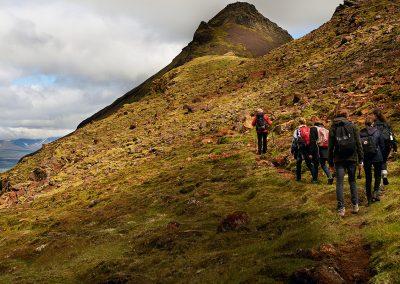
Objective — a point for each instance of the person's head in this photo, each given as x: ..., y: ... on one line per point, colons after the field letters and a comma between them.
x: 379, y: 115
x: 302, y: 121
x: 260, y: 111
x: 369, y: 122
x: 342, y: 113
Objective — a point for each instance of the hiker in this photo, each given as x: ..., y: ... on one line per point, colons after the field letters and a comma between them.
x: 345, y: 151
x: 301, y: 150
x: 262, y: 123
x: 319, y: 142
x: 389, y: 140
x: 373, y: 145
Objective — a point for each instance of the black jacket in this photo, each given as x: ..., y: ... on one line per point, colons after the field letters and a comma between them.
x: 393, y: 145
x: 333, y: 156
x: 378, y: 141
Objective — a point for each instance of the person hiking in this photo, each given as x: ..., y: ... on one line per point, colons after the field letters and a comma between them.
x: 344, y: 152
x: 319, y: 137
x: 262, y: 123
x: 301, y: 150
x: 389, y: 140
x: 373, y: 145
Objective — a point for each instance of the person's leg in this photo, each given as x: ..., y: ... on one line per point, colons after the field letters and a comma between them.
x: 378, y: 178
x: 264, y: 146
x: 339, y: 186
x: 259, y: 139
x: 315, y: 164
x: 299, y: 163
x: 309, y: 163
x: 351, y: 171
x: 368, y: 180
x: 325, y: 168
x: 385, y: 166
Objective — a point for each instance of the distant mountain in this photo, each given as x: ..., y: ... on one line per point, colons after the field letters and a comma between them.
x: 11, y: 151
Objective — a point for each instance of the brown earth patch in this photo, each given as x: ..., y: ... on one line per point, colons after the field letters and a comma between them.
x: 253, y: 42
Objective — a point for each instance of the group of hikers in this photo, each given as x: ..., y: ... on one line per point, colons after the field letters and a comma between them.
x: 341, y: 149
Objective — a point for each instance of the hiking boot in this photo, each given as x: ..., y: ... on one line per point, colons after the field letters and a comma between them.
x: 330, y: 181
x: 342, y: 212
x: 355, y: 209
x: 376, y: 198
x: 314, y: 181
x: 385, y: 181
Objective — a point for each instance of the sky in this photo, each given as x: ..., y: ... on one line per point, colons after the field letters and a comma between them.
x: 63, y: 60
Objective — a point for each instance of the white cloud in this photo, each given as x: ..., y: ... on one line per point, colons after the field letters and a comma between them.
x: 61, y: 61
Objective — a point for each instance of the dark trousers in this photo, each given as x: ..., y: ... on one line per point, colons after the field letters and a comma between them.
x: 368, y: 177
x: 304, y: 155
x: 262, y: 143
x: 341, y: 169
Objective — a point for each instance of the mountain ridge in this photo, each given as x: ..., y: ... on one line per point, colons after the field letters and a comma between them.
x: 215, y: 37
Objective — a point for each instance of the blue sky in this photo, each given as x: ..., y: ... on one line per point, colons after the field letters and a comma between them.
x: 63, y: 60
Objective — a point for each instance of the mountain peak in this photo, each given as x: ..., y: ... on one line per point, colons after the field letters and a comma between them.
x: 238, y: 28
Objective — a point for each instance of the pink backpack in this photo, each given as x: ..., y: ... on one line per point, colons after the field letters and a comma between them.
x: 323, y: 137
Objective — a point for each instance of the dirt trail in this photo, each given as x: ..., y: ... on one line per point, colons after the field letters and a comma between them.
x: 347, y: 262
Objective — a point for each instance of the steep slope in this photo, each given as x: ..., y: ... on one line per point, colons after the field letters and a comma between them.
x: 239, y: 28
x: 139, y: 195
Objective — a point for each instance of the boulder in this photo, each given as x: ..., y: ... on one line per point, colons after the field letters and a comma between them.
x: 39, y: 174
x: 236, y: 221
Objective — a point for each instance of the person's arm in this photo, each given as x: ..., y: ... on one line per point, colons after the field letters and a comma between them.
x: 268, y: 120
x: 360, y: 152
x: 331, y: 147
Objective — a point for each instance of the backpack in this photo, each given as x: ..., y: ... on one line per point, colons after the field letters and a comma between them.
x: 386, y: 133
x: 345, y: 141
x: 323, y: 137
x: 303, y: 137
x: 261, y: 124
x: 368, y: 143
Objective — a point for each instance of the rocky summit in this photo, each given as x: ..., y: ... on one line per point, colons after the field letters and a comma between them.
x: 167, y: 188
x: 238, y: 29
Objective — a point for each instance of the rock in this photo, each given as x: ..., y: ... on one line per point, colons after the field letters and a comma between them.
x: 258, y: 74
x: 38, y: 174
x: 234, y: 222
x: 346, y: 39
x: 132, y: 127
x: 280, y: 161
x: 93, y: 203
x: 296, y: 98
x: 188, y: 109
x: 328, y: 250
x: 173, y: 225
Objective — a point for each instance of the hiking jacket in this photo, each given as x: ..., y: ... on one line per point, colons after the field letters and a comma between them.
x: 333, y: 156
x: 379, y: 141
x: 381, y: 125
x: 314, y: 148
x: 295, y: 146
x: 267, y: 120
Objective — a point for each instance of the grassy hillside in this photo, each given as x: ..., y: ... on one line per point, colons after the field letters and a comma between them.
x: 140, y: 195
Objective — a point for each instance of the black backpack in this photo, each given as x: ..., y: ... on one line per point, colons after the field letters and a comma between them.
x: 368, y: 143
x: 345, y: 140
x: 385, y: 132
x: 261, y: 124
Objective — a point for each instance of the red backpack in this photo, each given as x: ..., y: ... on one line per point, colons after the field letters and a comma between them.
x: 303, y: 136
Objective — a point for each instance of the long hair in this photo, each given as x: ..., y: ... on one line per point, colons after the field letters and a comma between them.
x: 379, y: 115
